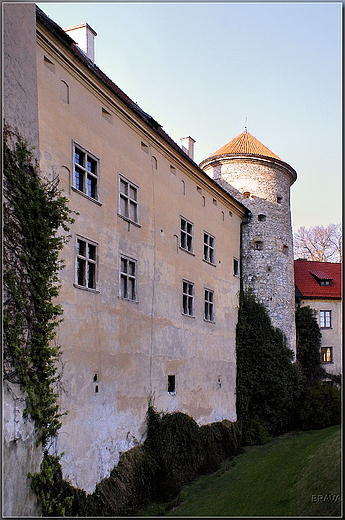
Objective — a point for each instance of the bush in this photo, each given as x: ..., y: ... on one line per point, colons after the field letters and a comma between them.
x: 321, y: 408
x: 255, y: 433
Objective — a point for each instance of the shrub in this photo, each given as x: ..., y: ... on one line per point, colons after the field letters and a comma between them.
x: 321, y: 408
x: 308, y: 342
x: 266, y: 375
x: 255, y: 433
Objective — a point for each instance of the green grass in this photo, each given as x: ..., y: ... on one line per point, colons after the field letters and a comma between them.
x: 276, y: 479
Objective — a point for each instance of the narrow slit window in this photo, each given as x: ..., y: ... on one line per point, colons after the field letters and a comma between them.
x: 171, y: 383
x: 236, y: 267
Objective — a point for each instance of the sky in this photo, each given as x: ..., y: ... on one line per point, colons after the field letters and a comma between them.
x: 210, y: 69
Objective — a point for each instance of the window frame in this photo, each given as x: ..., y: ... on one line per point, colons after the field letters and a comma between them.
x: 189, y: 297
x: 128, y: 276
x: 85, y: 172
x: 324, y: 314
x: 208, y: 303
x: 209, y: 248
x: 324, y: 351
x: 87, y: 262
x: 129, y: 200
x: 187, y: 234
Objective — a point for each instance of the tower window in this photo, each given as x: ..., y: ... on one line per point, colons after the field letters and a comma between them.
x: 209, y: 305
x: 262, y: 218
x: 258, y: 245
x: 285, y: 249
x: 246, y: 194
x: 279, y: 199
x: 171, y: 384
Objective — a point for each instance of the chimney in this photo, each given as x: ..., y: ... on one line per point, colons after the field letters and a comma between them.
x: 84, y: 36
x: 187, y: 144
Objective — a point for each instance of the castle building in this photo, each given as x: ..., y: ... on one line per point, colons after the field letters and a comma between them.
x: 157, y: 254
x: 261, y: 181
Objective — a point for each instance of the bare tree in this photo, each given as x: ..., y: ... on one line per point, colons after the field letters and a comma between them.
x: 319, y: 243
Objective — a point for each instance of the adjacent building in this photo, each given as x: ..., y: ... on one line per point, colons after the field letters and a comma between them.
x: 319, y: 285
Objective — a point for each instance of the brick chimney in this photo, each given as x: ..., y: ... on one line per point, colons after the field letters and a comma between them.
x: 187, y: 144
x: 84, y: 36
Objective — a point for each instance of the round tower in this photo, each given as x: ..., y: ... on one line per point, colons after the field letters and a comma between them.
x: 261, y: 181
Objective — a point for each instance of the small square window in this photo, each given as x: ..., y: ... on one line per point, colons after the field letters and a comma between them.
x: 258, y: 245
x: 326, y: 354
x: 186, y: 235
x: 209, y: 244
x: 86, y: 172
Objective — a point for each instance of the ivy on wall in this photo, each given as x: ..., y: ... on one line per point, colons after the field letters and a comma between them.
x: 36, y: 222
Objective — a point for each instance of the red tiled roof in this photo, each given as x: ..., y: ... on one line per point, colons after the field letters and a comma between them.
x: 245, y: 143
x: 306, y: 274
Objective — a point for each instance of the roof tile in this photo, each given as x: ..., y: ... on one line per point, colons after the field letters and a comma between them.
x: 307, y: 284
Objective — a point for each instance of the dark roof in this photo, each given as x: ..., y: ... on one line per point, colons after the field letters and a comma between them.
x: 70, y: 44
x: 309, y: 274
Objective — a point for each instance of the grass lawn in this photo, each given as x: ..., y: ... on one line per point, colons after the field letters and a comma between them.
x: 276, y: 479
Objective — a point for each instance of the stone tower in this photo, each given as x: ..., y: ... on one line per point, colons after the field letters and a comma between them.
x: 261, y: 181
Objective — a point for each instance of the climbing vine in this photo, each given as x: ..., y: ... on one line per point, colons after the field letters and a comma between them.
x: 36, y: 222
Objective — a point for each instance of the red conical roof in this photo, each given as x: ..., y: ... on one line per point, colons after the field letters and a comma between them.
x: 245, y: 143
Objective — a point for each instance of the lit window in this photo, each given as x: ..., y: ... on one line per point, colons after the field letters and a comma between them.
x: 326, y: 354
x: 86, y: 264
x: 128, y: 278
x: 325, y: 319
x: 186, y: 235
x: 209, y: 255
x: 209, y: 305
x: 128, y: 200
x: 86, y: 172
x: 188, y: 298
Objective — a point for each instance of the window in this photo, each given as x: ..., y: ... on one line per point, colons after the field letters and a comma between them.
x: 186, y: 235
x: 262, y: 218
x: 326, y: 354
x: 209, y: 255
x: 236, y: 267
x: 325, y: 319
x: 325, y: 282
x: 86, y: 172
x: 171, y: 383
x: 86, y: 263
x: 128, y: 200
x: 209, y: 305
x: 128, y: 278
x: 246, y: 194
x: 188, y: 298
x: 279, y: 199
x: 258, y: 245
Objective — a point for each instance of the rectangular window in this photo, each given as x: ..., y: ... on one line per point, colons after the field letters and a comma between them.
x: 86, y: 172
x: 209, y: 255
x: 236, y: 267
x: 171, y: 383
x: 128, y: 278
x: 186, y: 235
x: 86, y: 263
x: 209, y: 305
x: 325, y: 319
x: 188, y: 298
x: 326, y: 354
x: 128, y: 200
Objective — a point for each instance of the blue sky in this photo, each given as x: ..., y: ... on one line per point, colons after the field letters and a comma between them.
x: 209, y: 69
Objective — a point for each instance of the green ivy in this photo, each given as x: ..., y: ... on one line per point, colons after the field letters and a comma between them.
x: 36, y: 220
x: 308, y: 338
